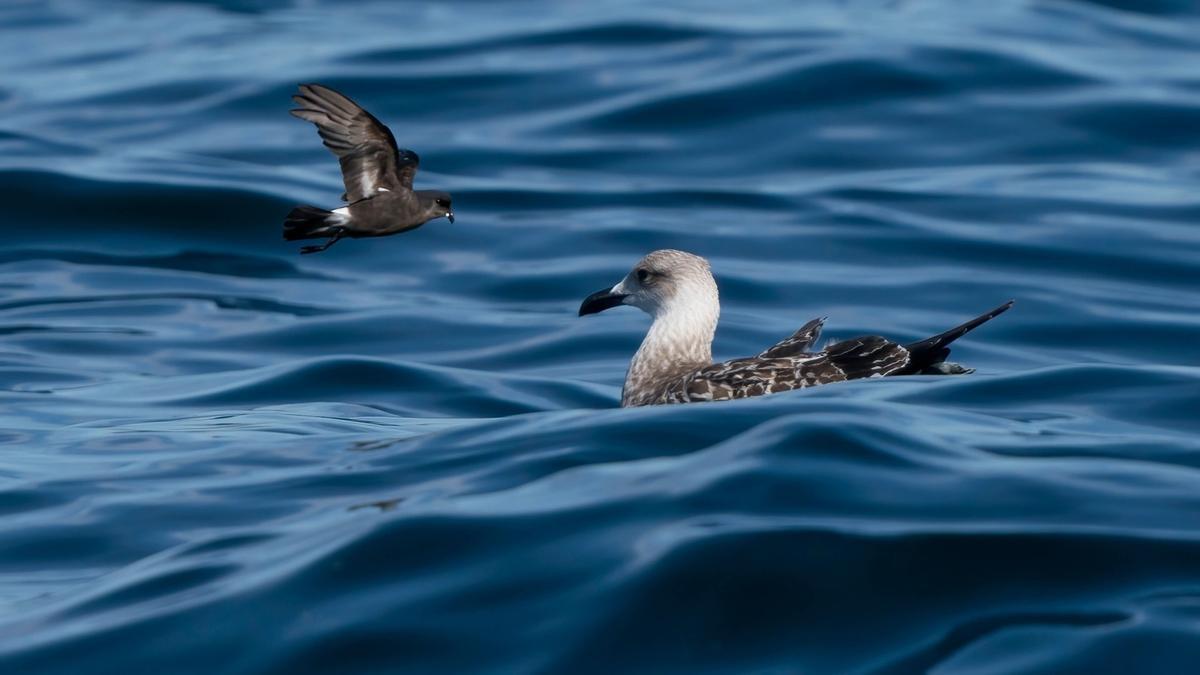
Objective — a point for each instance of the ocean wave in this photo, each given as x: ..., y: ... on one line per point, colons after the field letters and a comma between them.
x: 406, y: 453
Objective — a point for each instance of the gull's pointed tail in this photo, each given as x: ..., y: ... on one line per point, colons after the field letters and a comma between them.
x: 934, y: 350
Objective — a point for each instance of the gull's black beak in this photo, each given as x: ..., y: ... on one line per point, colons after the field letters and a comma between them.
x: 450, y: 217
x: 600, y: 301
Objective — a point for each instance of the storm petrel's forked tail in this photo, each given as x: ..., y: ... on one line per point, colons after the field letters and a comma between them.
x: 313, y: 222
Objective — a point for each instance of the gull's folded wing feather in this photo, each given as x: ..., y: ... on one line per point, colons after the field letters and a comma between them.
x: 799, y: 343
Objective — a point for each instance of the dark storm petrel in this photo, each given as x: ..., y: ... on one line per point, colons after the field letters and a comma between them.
x: 674, y: 363
x: 378, y: 176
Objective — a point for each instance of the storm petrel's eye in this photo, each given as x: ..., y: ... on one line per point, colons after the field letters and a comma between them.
x: 442, y: 202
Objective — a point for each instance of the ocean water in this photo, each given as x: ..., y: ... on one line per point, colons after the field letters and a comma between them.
x: 406, y: 455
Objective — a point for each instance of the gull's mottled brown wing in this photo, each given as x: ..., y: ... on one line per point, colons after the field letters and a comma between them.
x: 870, y: 356
x: 744, y: 378
x: 365, y: 147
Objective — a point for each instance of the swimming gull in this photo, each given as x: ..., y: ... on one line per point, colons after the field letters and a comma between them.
x: 674, y: 363
x: 378, y: 176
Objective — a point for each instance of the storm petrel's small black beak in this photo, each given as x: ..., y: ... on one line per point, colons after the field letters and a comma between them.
x: 600, y: 301
x: 450, y: 217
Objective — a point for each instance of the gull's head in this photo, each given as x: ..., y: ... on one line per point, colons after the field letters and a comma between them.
x: 664, y: 282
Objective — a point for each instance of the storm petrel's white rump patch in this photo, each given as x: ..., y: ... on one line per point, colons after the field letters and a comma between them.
x: 674, y: 363
x: 378, y: 176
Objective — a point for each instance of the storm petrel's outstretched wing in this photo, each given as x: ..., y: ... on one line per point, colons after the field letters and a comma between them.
x: 366, y: 149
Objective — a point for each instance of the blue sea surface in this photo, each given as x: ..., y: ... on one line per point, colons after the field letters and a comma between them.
x: 406, y: 454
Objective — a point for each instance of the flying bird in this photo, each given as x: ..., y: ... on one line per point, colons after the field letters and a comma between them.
x: 674, y: 363
x: 378, y: 176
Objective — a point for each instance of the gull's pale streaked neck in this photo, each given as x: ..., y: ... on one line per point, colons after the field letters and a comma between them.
x: 677, y: 289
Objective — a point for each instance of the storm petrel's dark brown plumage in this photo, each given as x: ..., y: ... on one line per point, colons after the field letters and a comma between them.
x: 378, y: 176
x: 674, y: 363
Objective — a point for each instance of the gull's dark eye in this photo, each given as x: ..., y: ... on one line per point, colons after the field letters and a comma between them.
x: 643, y: 275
